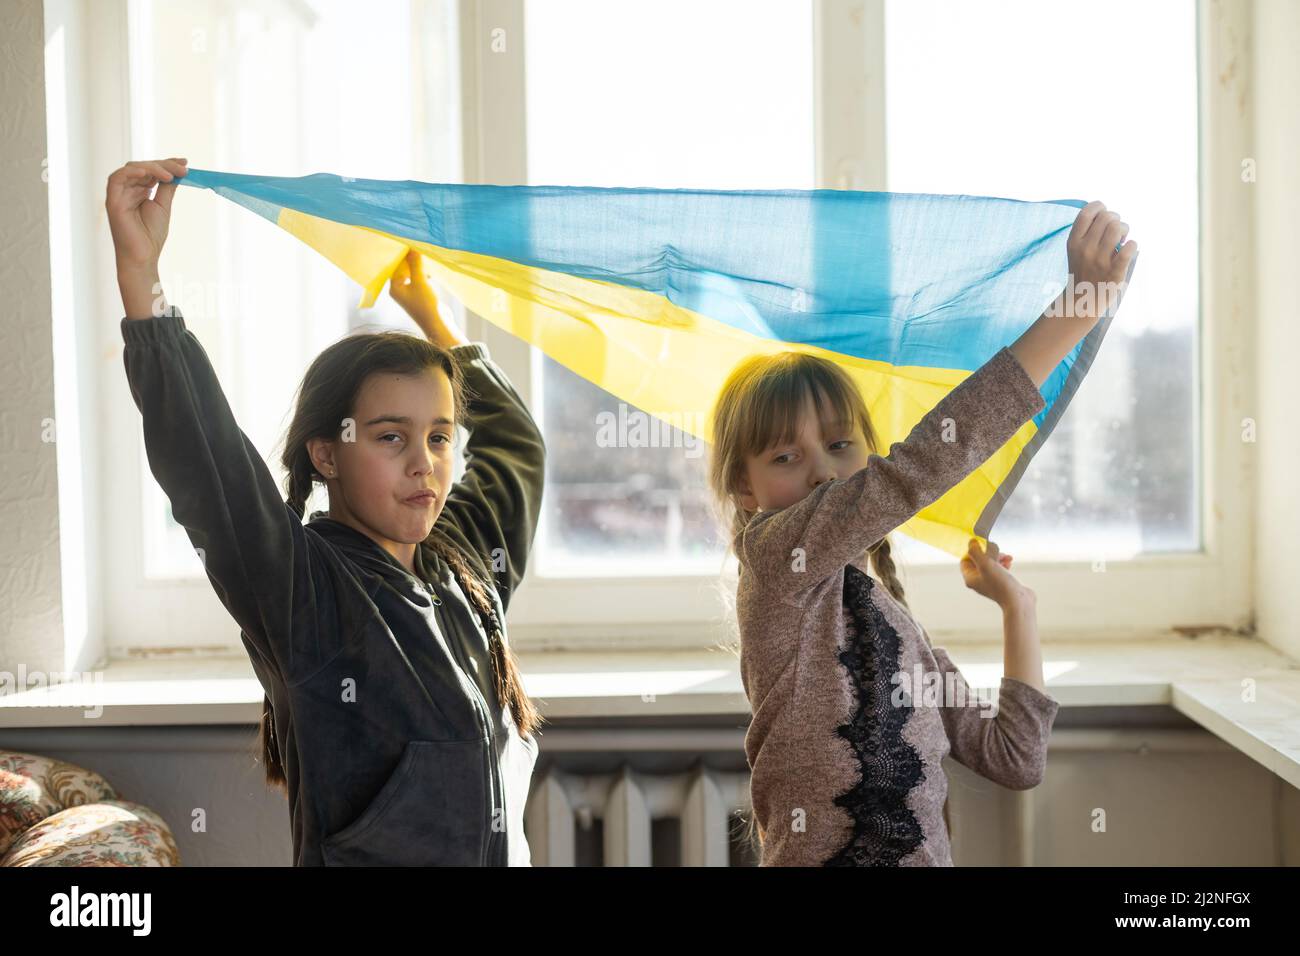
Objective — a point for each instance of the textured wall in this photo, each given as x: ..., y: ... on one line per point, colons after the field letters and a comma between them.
x: 1276, y: 80
x: 31, y: 622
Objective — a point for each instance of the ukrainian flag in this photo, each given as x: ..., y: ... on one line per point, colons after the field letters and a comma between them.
x: 656, y: 294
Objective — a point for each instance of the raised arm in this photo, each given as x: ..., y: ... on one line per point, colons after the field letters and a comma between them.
x: 495, y: 506
x: 799, y: 546
x: 1100, y: 271
x: 253, y: 548
x: 806, y: 542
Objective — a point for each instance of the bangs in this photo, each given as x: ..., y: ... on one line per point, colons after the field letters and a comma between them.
x: 780, y: 397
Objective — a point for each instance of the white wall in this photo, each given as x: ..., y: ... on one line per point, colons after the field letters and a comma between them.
x: 31, y: 605
x: 1275, y: 82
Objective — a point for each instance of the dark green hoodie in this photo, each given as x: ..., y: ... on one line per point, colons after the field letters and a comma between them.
x: 425, y: 766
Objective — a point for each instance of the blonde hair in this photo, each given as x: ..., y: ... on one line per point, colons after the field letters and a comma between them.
x: 759, y: 406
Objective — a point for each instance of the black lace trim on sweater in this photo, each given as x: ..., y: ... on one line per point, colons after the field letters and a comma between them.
x: 884, y: 829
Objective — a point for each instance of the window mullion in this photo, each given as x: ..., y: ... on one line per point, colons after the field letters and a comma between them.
x: 849, y: 93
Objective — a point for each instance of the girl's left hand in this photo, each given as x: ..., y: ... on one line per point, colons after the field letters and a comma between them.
x: 988, y: 573
x: 410, y: 289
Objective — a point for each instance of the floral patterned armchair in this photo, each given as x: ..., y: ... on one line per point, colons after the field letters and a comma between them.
x: 58, y: 814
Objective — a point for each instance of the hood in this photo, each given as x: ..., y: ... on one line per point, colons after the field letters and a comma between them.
x: 373, y: 560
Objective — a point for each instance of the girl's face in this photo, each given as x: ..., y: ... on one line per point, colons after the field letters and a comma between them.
x: 402, y: 444
x: 783, y: 475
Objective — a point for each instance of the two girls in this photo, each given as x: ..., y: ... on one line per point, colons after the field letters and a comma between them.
x: 394, y: 712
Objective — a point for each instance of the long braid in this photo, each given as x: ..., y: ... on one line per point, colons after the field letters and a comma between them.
x: 882, y: 562
x: 505, y: 666
x: 299, y: 483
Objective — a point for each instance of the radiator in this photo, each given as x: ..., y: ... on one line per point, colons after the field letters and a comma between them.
x: 579, y: 816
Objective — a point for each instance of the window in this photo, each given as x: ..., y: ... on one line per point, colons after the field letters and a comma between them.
x: 928, y: 97
x: 1020, y: 105
x: 734, y: 111
x: 907, y: 95
x: 285, y: 89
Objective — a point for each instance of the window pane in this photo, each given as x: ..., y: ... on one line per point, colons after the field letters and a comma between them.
x: 672, y: 95
x: 281, y: 89
x: 1050, y: 101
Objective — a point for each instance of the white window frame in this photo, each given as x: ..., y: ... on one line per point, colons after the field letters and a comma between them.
x: 1142, y: 597
x: 1138, y: 598
x: 175, y: 616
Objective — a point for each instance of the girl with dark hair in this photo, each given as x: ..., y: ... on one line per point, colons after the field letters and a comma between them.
x: 395, y: 717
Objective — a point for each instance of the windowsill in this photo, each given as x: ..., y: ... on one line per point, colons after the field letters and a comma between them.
x: 1200, y: 678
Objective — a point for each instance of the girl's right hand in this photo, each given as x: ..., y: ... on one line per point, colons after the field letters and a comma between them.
x: 139, y: 224
x: 1100, y: 273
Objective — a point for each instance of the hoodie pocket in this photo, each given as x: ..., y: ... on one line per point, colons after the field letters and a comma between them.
x: 432, y: 811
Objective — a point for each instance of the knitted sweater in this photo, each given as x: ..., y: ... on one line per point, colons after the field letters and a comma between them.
x: 845, y: 746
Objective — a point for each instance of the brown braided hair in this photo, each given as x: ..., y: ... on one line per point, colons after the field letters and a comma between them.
x: 758, y: 406
x: 327, y: 396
